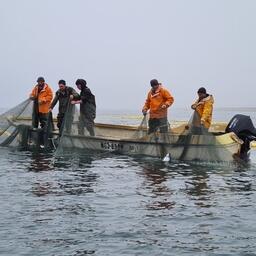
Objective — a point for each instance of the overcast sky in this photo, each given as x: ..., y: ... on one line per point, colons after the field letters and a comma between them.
x: 118, y: 46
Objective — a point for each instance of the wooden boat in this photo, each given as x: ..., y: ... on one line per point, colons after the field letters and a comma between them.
x: 217, y: 146
x: 129, y: 140
x: 224, y: 142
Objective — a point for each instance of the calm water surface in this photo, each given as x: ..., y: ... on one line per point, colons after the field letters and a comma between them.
x: 78, y: 204
x: 105, y: 204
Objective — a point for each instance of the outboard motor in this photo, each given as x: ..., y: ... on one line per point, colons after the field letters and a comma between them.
x: 243, y: 127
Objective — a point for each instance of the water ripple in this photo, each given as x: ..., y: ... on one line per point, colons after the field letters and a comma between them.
x: 82, y: 204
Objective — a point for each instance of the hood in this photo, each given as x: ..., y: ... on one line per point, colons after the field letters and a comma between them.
x: 208, y: 98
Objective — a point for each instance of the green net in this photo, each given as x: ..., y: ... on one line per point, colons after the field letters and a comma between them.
x: 187, y: 142
x: 196, y: 143
x: 14, y: 122
x: 191, y: 142
x: 16, y: 128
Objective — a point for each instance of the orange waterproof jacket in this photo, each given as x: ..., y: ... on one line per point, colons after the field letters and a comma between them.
x: 44, y: 98
x: 204, y: 108
x: 156, y: 100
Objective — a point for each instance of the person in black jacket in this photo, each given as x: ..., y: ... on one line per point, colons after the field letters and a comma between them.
x: 63, y: 96
x: 87, y: 107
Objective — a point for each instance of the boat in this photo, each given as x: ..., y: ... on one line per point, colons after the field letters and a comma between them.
x: 217, y: 146
x: 175, y: 144
x: 223, y: 143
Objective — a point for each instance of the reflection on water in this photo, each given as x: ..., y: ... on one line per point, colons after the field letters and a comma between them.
x: 76, y: 181
x: 40, y: 162
x: 198, y: 189
x: 82, y: 204
x: 155, y: 177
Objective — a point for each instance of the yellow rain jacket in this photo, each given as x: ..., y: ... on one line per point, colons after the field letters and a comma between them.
x: 204, y: 108
x: 44, y: 98
x: 156, y: 100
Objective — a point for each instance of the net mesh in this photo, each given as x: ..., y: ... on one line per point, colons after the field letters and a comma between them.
x: 192, y: 142
x: 69, y: 128
x: 16, y: 127
x: 14, y: 122
x: 188, y: 142
x: 195, y: 143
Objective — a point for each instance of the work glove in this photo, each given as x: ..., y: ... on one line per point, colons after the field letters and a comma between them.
x: 144, y: 112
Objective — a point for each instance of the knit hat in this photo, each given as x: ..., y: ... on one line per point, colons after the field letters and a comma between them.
x: 62, y: 82
x: 40, y: 79
x: 201, y: 90
x: 154, y: 82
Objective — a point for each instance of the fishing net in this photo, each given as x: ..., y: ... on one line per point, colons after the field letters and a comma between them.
x: 141, y: 131
x: 105, y: 137
x: 196, y: 143
x: 16, y: 128
x: 14, y: 123
x: 68, y: 129
x: 187, y: 142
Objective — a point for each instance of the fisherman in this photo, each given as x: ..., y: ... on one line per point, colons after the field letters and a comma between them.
x: 87, y: 107
x: 204, y: 108
x: 63, y: 95
x: 159, y: 99
x: 42, y: 96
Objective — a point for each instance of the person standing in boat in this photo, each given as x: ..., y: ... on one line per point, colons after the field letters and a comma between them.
x: 63, y: 95
x: 87, y: 108
x: 42, y: 96
x: 203, y: 107
x: 159, y: 99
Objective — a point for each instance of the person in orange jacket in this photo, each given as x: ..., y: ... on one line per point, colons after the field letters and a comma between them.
x: 204, y: 107
x: 159, y: 99
x: 42, y: 96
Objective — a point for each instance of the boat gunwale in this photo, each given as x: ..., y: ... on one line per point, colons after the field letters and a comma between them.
x: 150, y: 142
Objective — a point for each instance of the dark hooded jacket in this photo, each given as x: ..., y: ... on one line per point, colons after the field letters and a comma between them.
x: 88, y: 104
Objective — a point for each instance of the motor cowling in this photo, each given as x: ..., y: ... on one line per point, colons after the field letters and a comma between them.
x: 243, y: 127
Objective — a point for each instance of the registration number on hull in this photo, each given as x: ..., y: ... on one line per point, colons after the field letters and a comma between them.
x: 111, y: 145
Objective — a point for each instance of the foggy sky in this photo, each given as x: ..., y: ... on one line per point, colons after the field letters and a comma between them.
x: 118, y: 46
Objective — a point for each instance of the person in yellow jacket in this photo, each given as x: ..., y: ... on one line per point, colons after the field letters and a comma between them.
x: 42, y: 96
x: 204, y: 107
x: 159, y: 99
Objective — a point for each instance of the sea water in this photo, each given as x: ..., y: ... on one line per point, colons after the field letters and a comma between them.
x: 106, y: 204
